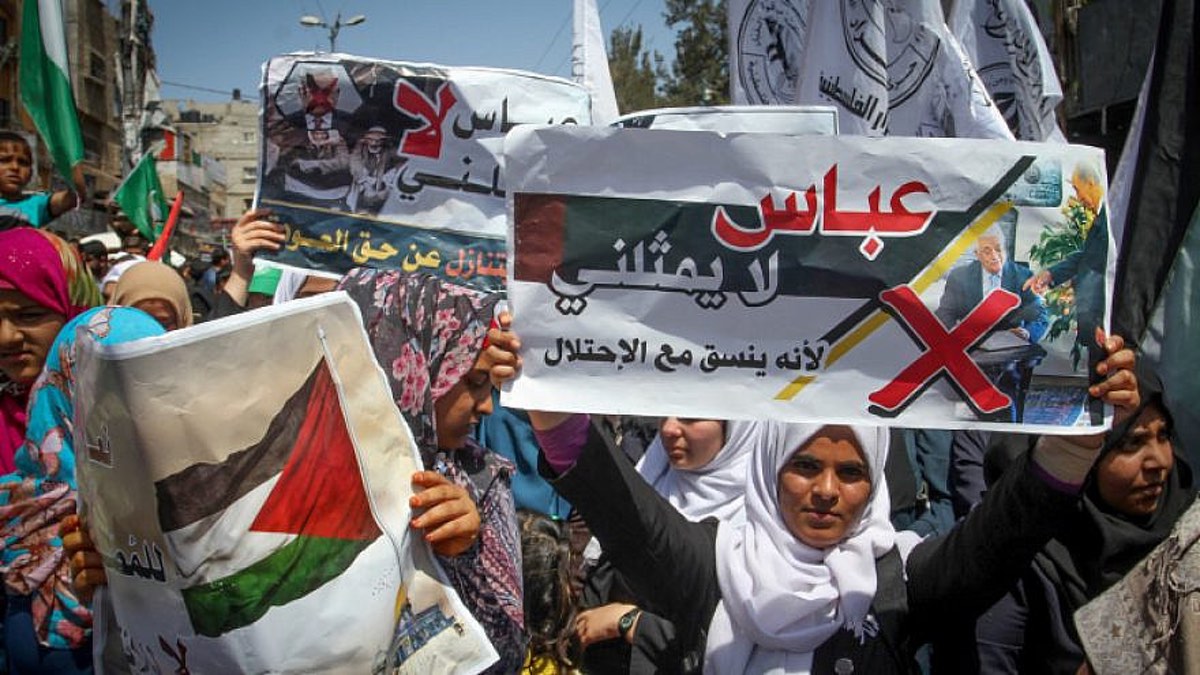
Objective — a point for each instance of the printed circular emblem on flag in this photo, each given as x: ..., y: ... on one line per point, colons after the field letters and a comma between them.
x: 889, y: 46
x: 769, y: 43
x: 1022, y: 51
x: 999, y: 81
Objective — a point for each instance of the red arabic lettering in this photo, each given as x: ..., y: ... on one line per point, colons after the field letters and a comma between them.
x: 899, y: 222
x: 790, y: 219
x: 873, y: 223
x: 425, y: 141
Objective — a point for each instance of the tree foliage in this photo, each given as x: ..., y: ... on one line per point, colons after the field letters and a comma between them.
x: 700, y: 75
x: 635, y: 71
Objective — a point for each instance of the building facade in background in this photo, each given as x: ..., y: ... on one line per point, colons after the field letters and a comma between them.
x: 228, y: 134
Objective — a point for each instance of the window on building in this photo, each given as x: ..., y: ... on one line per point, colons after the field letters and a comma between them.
x: 247, y: 202
x: 249, y: 174
x: 5, y: 114
x: 248, y: 136
x: 98, y: 67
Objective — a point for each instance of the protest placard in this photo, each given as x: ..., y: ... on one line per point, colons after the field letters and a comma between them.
x: 394, y: 164
x: 919, y: 282
x: 255, y: 519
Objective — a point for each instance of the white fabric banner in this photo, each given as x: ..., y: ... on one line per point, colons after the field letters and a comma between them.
x: 1004, y: 42
x: 589, y: 62
x: 838, y: 279
x: 891, y: 68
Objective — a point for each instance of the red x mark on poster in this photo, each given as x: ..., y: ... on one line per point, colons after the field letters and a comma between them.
x: 946, y: 351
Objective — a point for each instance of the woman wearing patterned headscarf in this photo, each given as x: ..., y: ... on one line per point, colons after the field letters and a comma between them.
x: 428, y: 336
x: 43, y: 284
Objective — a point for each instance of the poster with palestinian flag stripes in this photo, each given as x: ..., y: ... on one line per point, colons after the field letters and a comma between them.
x: 937, y: 283
x: 256, y: 520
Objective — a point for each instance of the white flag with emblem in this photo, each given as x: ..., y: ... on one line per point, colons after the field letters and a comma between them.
x: 890, y: 68
x: 1003, y: 41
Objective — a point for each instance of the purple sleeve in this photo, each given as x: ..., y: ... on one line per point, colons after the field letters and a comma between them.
x: 1055, y: 483
x: 562, y: 444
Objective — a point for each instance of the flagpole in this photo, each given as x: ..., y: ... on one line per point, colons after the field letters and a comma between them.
x: 160, y: 246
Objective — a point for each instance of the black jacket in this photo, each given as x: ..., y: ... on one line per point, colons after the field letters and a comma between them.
x: 670, y: 563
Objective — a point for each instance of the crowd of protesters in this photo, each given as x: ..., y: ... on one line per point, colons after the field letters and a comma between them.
x: 611, y: 545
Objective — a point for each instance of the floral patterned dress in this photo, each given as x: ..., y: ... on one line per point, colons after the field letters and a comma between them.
x: 426, y: 335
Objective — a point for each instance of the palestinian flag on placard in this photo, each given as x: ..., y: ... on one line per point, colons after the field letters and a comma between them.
x: 273, y: 522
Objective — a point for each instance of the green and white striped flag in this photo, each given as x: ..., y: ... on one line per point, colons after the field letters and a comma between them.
x: 140, y: 196
x: 45, y: 83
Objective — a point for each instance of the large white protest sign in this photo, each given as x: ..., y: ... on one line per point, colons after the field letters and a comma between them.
x: 254, y: 518
x: 877, y: 280
x: 395, y: 164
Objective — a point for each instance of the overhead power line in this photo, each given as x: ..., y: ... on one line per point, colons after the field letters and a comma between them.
x: 227, y: 92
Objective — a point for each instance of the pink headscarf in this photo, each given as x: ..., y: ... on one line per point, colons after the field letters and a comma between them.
x: 32, y: 264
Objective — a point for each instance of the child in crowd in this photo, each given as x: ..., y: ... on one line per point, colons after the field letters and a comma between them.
x: 16, y: 170
x: 549, y: 602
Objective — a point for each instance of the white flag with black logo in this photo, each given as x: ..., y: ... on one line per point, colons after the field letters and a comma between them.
x: 1002, y: 39
x: 890, y: 67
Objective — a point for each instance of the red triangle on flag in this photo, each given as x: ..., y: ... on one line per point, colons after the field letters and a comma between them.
x: 320, y: 492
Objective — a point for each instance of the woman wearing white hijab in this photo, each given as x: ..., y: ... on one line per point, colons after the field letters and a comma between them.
x: 715, y: 488
x: 699, y: 466
x: 815, y: 580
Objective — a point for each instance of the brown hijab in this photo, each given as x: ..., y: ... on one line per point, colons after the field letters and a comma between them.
x: 154, y: 281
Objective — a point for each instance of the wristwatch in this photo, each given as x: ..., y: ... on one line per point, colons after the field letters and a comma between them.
x: 625, y: 623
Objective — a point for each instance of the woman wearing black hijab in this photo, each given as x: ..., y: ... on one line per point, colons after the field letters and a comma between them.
x: 1137, y: 490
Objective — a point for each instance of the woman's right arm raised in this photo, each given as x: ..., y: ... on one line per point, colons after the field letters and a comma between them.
x: 667, y: 560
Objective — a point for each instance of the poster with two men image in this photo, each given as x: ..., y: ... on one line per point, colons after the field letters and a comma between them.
x: 395, y: 164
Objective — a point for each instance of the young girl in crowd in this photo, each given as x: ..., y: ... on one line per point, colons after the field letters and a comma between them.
x: 157, y: 290
x: 549, y: 601
x: 815, y: 579
x: 43, y: 284
x: 699, y: 466
x: 48, y: 628
x: 428, y: 336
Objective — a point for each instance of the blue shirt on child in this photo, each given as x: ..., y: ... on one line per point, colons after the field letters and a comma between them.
x: 30, y: 211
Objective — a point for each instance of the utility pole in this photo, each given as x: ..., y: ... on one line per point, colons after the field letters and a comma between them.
x: 132, y: 74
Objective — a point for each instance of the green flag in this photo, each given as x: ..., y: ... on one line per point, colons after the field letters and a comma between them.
x: 140, y: 196
x: 46, y: 83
